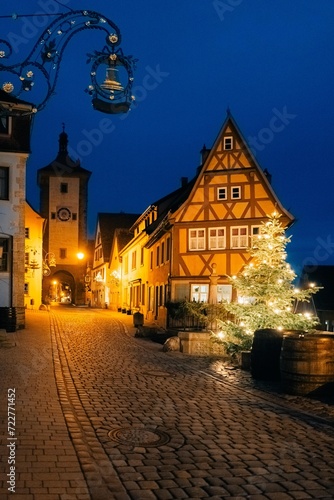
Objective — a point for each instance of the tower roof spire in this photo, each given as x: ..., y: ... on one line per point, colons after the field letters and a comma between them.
x: 63, y: 143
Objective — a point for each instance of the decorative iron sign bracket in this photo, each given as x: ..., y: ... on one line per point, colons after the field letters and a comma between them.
x: 111, y: 72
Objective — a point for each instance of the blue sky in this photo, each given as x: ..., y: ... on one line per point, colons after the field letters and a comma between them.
x: 259, y: 58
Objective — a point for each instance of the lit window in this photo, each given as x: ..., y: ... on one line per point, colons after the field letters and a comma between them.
x: 197, y: 239
x: 4, y: 183
x: 217, y: 238
x: 236, y: 193
x: 199, y: 293
x: 239, y: 237
x: 224, y: 293
x: 228, y: 143
x: 222, y: 193
x: 255, y: 232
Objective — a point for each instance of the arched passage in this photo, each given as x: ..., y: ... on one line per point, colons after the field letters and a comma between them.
x: 60, y: 287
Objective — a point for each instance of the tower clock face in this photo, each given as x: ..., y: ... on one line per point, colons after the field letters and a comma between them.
x: 64, y: 214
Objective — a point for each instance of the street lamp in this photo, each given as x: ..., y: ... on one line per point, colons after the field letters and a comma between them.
x: 109, y: 95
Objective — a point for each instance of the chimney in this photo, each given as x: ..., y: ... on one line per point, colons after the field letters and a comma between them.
x: 204, y: 154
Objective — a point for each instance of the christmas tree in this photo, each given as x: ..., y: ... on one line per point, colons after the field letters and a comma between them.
x: 266, y: 294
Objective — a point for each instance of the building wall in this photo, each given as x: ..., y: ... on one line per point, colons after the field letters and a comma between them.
x: 12, y: 227
x: 33, y: 252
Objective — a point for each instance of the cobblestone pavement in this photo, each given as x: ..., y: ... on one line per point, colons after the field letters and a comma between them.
x: 144, y: 424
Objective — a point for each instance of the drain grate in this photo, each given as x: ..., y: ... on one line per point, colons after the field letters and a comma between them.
x: 135, y: 436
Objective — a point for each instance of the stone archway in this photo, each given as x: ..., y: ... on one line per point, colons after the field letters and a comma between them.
x: 60, y: 288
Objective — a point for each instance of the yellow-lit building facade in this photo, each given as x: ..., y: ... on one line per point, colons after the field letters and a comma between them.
x: 34, y: 225
x: 187, y: 244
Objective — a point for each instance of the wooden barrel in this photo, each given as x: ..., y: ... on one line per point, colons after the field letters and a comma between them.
x: 265, y: 354
x: 307, y: 363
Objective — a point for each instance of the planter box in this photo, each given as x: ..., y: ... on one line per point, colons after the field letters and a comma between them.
x: 195, y: 343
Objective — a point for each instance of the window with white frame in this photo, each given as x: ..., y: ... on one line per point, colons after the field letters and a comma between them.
x: 255, y: 232
x: 222, y: 193
x: 239, y: 236
x: 199, y: 293
x: 224, y: 293
x: 217, y: 239
x: 228, y: 143
x: 235, y: 192
x: 197, y: 239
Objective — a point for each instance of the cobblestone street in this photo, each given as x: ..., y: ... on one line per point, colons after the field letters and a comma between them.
x: 133, y: 422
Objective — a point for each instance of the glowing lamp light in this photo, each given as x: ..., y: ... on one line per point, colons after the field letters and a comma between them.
x: 220, y: 335
x: 80, y: 255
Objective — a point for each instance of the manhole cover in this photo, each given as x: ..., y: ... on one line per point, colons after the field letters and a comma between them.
x: 139, y: 437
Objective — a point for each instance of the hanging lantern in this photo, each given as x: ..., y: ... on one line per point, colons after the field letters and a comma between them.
x: 111, y: 82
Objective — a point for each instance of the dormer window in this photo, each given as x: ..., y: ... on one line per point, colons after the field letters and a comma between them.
x: 228, y: 143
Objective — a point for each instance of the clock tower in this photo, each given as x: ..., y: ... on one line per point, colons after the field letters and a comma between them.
x: 63, y: 203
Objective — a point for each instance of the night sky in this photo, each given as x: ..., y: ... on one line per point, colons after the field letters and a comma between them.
x: 259, y: 58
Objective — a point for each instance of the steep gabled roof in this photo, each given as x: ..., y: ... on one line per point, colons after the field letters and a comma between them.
x: 108, y: 223
x: 213, y: 163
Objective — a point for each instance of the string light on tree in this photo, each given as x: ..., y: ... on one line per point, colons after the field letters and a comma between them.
x: 266, y: 294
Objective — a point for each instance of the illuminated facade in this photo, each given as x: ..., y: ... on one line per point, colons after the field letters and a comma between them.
x: 108, y: 227
x: 15, y: 124
x: 33, y: 261
x: 63, y: 203
x: 187, y: 244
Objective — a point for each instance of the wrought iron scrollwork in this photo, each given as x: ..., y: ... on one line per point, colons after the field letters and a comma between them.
x: 43, y: 64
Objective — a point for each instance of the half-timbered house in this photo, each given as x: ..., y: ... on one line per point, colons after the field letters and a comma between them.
x: 201, y: 233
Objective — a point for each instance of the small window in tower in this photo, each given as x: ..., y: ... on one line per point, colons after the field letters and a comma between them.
x: 74, y: 216
x: 27, y: 232
x: 26, y: 289
x: 53, y: 215
x: 228, y: 143
x: 63, y: 187
x: 62, y: 253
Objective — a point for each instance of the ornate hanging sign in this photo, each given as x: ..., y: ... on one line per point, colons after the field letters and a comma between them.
x: 111, y: 72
